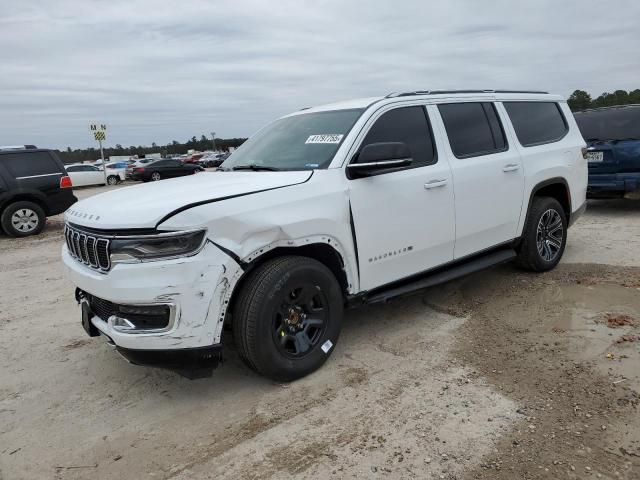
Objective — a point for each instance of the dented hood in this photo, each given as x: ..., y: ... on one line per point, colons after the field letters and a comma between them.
x: 145, y: 205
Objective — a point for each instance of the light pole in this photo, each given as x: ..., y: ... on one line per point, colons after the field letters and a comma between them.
x: 213, y: 137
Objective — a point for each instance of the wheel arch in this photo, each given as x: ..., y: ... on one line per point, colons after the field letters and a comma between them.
x: 557, y: 188
x: 24, y: 197
x: 324, y: 253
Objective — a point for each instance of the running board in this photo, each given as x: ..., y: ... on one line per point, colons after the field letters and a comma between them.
x: 442, y: 275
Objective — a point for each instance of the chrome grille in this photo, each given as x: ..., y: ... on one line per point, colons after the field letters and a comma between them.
x: 89, y: 249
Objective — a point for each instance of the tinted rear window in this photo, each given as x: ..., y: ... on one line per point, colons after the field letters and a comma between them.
x: 473, y: 128
x: 610, y: 123
x: 29, y: 164
x: 536, y: 123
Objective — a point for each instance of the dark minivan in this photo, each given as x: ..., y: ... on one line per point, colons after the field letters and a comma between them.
x: 33, y: 185
x: 613, y: 138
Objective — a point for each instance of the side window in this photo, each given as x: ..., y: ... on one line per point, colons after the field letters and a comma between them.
x: 408, y: 125
x: 29, y: 164
x: 473, y: 128
x: 537, y: 123
x: 73, y: 169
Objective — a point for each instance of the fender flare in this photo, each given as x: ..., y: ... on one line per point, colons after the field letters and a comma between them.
x: 541, y: 185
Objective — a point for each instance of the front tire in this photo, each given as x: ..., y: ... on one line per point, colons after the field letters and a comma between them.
x: 21, y: 219
x: 287, y: 317
x: 544, y: 237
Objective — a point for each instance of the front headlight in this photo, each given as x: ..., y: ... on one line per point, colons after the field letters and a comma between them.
x: 156, y: 247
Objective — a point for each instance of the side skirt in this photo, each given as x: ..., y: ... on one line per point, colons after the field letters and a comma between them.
x: 434, y: 277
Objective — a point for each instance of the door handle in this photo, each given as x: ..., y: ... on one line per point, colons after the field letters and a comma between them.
x: 511, y: 167
x: 435, y: 183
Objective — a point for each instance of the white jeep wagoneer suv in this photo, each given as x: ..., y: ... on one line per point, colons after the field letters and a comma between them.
x: 333, y: 206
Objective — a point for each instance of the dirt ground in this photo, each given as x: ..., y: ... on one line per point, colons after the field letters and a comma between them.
x: 503, y: 374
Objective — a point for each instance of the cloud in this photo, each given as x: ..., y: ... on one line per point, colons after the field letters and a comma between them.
x: 158, y: 71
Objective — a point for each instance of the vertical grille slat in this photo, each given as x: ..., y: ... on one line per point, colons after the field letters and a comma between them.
x: 91, y: 251
x: 88, y: 249
x: 102, y: 249
x: 83, y: 249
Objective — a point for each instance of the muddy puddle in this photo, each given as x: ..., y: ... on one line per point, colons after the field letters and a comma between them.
x: 565, y: 347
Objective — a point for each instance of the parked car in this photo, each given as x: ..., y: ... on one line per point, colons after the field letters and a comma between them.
x: 346, y: 204
x: 193, y: 158
x: 33, y: 186
x: 83, y: 175
x: 138, y: 163
x: 613, y: 139
x: 116, y: 169
x: 211, y: 160
x: 166, y: 168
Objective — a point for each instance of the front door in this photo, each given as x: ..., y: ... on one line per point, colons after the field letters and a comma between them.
x: 403, y: 219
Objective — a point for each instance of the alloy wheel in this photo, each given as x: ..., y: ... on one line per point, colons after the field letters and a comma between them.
x: 549, y: 235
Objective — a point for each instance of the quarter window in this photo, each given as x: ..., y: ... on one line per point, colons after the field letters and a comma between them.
x: 473, y: 128
x: 29, y: 164
x: 408, y: 125
x: 536, y: 123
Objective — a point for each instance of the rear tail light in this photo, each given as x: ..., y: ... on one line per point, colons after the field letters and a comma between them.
x: 65, y: 182
x: 139, y: 169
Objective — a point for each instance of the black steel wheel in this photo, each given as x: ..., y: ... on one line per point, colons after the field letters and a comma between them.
x: 300, y: 320
x: 287, y: 317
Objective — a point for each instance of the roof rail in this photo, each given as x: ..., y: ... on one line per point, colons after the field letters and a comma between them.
x: 443, y: 92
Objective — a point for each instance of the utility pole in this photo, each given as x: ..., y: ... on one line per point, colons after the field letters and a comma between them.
x: 213, y: 137
x: 104, y: 167
x: 99, y: 131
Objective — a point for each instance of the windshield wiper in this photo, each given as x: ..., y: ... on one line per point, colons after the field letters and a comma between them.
x: 255, y: 168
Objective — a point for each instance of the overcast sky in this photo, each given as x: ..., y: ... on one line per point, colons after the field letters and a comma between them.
x: 156, y: 71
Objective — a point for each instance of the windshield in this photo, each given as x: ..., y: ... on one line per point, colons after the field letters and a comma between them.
x: 610, y: 123
x: 299, y: 142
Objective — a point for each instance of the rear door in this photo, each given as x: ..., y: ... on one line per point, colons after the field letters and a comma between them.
x: 174, y: 168
x: 403, y: 219
x: 94, y: 176
x: 77, y: 175
x: 487, y: 174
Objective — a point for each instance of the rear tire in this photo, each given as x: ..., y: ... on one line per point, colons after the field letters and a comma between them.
x: 288, y: 312
x: 112, y: 180
x: 544, y: 237
x: 155, y: 176
x: 21, y: 219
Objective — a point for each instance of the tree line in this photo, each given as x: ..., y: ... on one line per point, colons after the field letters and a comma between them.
x: 581, y: 100
x: 173, y: 148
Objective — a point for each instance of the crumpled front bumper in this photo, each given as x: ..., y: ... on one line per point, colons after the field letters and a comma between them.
x: 196, y: 287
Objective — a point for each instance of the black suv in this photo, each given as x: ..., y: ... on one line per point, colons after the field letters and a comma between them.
x: 33, y: 186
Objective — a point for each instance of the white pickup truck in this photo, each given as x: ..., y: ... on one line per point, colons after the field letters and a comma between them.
x: 339, y: 205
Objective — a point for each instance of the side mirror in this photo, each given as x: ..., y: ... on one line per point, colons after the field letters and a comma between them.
x: 380, y: 156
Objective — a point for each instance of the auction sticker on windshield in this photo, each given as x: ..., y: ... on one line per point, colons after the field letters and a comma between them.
x: 327, y: 138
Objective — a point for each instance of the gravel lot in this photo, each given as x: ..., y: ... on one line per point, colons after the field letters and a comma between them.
x: 503, y: 374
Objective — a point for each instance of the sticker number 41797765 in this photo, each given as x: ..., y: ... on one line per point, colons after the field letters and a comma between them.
x: 327, y: 138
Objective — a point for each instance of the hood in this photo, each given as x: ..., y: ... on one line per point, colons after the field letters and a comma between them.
x: 145, y: 205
